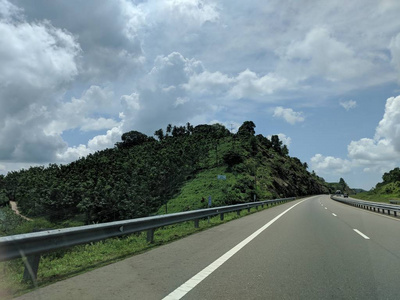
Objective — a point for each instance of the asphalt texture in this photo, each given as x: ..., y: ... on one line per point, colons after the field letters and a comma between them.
x: 311, y: 252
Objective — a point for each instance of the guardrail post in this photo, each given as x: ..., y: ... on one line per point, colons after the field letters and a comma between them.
x: 248, y: 209
x: 150, y: 235
x: 389, y: 212
x: 221, y: 216
x: 395, y: 213
x: 31, y: 268
x: 238, y: 212
x: 196, y: 223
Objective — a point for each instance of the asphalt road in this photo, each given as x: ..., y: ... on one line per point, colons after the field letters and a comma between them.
x: 318, y: 249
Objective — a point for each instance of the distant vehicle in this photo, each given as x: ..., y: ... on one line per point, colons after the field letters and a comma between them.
x: 338, y: 192
x: 345, y: 195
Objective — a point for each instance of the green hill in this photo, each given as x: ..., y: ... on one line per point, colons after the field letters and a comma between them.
x: 142, y: 176
x: 386, y: 190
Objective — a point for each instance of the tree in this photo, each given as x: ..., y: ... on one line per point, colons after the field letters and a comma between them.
x: 285, y: 150
x: 232, y: 158
x: 276, y: 144
x: 169, y: 129
x: 247, y: 129
x: 159, y: 134
x: 132, y: 138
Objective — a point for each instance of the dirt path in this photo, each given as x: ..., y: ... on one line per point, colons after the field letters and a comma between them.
x: 15, y: 209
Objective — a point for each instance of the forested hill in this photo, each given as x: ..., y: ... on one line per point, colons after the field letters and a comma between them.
x: 141, y: 174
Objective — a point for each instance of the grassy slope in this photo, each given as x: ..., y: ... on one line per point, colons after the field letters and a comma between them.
x: 203, y: 185
x: 390, y: 191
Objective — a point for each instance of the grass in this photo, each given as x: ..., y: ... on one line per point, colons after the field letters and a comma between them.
x: 376, y: 197
x: 389, y: 191
x: 203, y: 185
x: 63, y: 264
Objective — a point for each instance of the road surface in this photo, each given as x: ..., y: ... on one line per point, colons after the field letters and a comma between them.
x: 313, y: 248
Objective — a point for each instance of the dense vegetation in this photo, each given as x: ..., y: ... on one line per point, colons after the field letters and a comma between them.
x: 386, y: 190
x: 141, y: 174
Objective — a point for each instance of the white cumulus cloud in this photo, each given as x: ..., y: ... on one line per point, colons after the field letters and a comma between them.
x: 329, y: 164
x: 289, y: 115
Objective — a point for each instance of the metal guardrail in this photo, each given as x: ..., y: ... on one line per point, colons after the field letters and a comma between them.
x: 374, y: 206
x: 32, y: 245
x: 394, y: 201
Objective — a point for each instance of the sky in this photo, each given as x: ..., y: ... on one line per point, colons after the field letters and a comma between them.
x: 323, y: 75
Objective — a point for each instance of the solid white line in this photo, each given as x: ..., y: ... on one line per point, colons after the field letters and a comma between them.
x: 334, y: 215
x: 362, y: 234
x: 199, y: 277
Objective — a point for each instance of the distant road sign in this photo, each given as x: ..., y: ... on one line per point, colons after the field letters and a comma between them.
x: 221, y: 177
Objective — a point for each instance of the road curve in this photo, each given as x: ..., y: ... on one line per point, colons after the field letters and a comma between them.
x: 318, y: 249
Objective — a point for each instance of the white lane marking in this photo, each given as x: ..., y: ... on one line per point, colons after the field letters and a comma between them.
x: 334, y: 215
x: 199, y: 277
x: 326, y: 208
x: 362, y: 234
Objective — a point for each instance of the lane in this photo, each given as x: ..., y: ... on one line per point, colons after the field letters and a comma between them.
x: 154, y: 274
x: 382, y: 229
x: 309, y: 254
x: 313, y: 251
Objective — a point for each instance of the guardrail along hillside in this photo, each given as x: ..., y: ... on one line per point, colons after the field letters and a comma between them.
x: 32, y: 245
x: 373, y: 206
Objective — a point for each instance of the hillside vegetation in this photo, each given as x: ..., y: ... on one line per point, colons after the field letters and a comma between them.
x: 173, y: 172
x: 386, y: 190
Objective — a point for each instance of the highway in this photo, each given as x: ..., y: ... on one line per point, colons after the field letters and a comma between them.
x: 313, y: 248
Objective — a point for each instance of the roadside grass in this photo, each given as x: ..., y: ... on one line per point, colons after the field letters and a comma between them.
x: 384, y: 193
x: 60, y: 265
x: 376, y: 197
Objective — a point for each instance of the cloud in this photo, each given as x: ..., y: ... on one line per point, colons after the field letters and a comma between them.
x: 83, y: 113
x: 322, y: 54
x: 38, y: 63
x: 209, y: 83
x: 347, y: 105
x: 394, y: 48
x: 106, y: 32
x: 289, y: 115
x: 389, y: 126
x: 249, y: 85
x: 378, y: 154
x: 328, y: 164
x: 99, y: 142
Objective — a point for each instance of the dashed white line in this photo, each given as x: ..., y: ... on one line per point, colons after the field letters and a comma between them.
x: 199, y: 277
x: 334, y: 215
x: 362, y: 234
x: 326, y: 208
